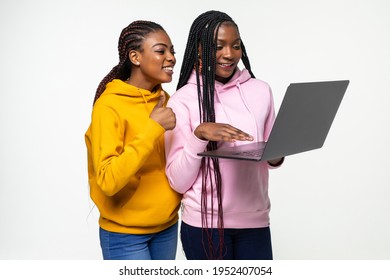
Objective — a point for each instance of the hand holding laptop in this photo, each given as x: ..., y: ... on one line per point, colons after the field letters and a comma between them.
x: 221, y: 132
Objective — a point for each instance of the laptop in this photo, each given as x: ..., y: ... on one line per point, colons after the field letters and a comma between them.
x: 302, y: 123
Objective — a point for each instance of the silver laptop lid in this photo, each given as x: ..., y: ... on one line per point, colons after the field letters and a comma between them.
x: 302, y: 124
x: 304, y: 118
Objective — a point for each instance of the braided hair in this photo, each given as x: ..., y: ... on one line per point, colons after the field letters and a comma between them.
x: 203, y: 33
x: 131, y: 38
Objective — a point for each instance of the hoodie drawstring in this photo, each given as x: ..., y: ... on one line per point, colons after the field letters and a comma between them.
x: 238, y: 85
x: 158, y: 145
x: 143, y: 96
x: 247, y: 107
x: 223, y: 106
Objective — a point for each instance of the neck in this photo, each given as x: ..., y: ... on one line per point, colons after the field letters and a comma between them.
x: 224, y: 80
x: 136, y: 82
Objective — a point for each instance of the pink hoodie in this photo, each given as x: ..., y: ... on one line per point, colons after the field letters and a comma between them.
x: 245, y: 103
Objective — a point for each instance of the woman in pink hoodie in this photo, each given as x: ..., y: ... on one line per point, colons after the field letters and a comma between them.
x: 225, y: 205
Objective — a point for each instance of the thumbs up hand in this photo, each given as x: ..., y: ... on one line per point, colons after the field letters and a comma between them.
x: 164, y: 116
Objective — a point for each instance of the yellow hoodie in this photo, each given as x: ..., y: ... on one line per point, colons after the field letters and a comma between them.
x: 126, y: 162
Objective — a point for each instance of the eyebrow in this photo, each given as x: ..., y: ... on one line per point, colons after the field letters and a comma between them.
x: 238, y: 39
x: 161, y: 44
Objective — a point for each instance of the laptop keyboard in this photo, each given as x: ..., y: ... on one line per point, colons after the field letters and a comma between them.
x: 252, y: 153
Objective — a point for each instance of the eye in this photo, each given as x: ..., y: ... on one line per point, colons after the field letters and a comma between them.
x: 160, y: 51
x: 237, y: 47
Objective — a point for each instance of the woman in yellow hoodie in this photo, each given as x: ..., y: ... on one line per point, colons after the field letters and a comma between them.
x: 125, y: 144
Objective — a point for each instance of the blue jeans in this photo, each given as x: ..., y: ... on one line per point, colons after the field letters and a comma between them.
x: 157, y: 246
x: 238, y: 244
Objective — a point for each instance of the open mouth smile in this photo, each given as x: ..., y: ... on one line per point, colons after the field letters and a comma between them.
x: 168, y: 69
x: 226, y: 66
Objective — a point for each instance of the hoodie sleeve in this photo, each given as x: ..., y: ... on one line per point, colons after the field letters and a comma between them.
x: 181, y: 148
x: 269, y: 123
x: 114, y: 161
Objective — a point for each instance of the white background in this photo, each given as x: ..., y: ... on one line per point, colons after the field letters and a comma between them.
x: 331, y: 203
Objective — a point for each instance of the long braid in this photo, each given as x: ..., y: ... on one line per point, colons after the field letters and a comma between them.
x: 131, y: 38
x: 203, y: 33
x: 245, y: 60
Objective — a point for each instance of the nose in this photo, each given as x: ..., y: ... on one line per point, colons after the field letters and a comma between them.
x: 227, y: 52
x: 171, y: 57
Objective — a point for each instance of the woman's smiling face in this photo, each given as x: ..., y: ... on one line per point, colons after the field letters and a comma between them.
x: 156, y: 60
x: 228, y: 53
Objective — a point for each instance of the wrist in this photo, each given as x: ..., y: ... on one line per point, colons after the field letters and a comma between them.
x: 198, y: 132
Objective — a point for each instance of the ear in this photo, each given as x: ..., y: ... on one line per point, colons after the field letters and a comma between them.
x: 133, y: 56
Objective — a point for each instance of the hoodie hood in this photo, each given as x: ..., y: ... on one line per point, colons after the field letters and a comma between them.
x: 121, y: 88
x: 239, y: 77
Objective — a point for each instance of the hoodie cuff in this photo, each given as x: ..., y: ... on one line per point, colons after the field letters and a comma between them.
x: 195, y: 145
